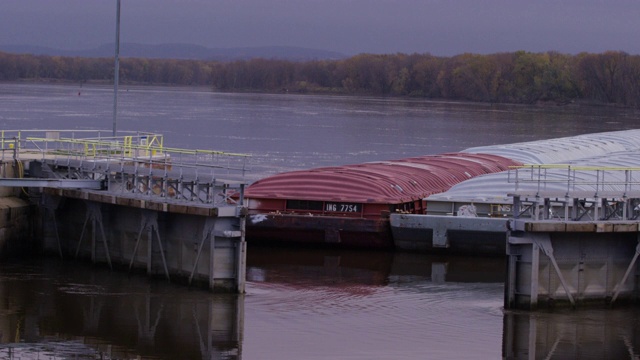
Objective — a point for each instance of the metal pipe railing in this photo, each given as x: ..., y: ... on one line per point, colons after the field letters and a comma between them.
x: 133, y: 155
x: 598, y: 178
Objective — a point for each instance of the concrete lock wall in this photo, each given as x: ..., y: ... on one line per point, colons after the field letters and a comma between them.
x: 16, y: 234
x: 16, y: 228
x: 207, y: 251
x: 591, y: 265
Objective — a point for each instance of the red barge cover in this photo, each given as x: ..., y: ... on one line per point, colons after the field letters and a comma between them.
x: 349, y: 204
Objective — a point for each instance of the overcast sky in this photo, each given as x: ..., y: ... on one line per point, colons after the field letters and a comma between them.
x: 439, y: 27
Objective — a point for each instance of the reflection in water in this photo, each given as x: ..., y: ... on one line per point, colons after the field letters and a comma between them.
x: 53, y: 310
x: 580, y: 334
x: 300, y: 303
x: 315, y: 267
x: 322, y: 303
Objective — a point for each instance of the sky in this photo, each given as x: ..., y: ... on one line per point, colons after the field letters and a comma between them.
x: 438, y: 27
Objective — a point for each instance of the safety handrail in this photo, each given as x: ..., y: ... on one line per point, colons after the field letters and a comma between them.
x: 136, y: 163
x: 598, y: 177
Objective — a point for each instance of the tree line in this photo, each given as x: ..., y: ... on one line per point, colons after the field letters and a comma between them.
x: 518, y: 77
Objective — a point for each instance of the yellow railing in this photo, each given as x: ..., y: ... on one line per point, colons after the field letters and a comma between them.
x: 137, y: 163
x: 15, y: 139
x: 92, y: 148
x: 144, y: 149
x: 127, y: 144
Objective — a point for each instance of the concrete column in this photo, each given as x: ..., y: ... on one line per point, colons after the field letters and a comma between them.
x: 535, y: 270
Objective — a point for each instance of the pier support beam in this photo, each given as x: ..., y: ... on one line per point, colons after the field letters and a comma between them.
x: 540, y: 242
x: 556, y: 263
x: 632, y: 265
x: 150, y: 224
x: 94, y: 215
x: 207, y: 234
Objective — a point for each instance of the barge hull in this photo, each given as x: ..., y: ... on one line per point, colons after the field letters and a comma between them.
x: 450, y: 234
x: 320, y: 230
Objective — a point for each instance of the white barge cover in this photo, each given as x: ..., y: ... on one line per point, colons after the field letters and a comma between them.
x: 563, y: 150
x: 611, y: 149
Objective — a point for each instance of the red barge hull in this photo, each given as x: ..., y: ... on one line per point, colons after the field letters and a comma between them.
x: 349, y: 206
x: 317, y: 230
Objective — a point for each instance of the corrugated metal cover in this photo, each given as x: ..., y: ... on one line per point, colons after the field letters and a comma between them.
x: 391, y: 182
x: 563, y: 150
x: 495, y: 187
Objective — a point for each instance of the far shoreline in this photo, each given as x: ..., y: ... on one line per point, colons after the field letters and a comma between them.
x: 124, y: 86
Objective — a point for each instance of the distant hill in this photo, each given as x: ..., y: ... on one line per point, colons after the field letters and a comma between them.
x: 183, y: 51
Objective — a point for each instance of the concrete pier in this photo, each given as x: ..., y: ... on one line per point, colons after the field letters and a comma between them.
x: 129, y: 202
x: 559, y: 265
x: 572, y: 261
x: 188, y: 244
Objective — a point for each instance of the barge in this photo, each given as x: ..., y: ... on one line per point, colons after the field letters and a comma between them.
x: 473, y: 216
x: 350, y: 205
x: 420, y: 203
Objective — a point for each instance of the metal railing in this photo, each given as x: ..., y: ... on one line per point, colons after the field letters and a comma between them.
x: 136, y: 163
x: 12, y: 141
x: 570, y: 192
x: 572, y: 178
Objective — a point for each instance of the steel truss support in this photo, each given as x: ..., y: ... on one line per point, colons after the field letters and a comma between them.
x: 207, y: 233
x: 149, y: 223
x: 544, y: 243
x: 538, y: 241
x: 614, y: 209
x: 582, y: 207
x: 619, y: 285
x: 94, y: 214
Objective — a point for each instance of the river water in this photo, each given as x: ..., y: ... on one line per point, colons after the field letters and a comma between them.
x: 299, y: 303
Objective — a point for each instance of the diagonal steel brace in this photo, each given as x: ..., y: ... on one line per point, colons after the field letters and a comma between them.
x: 207, y: 233
x: 149, y: 222
x: 618, y: 286
x: 94, y: 214
x: 545, y: 244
